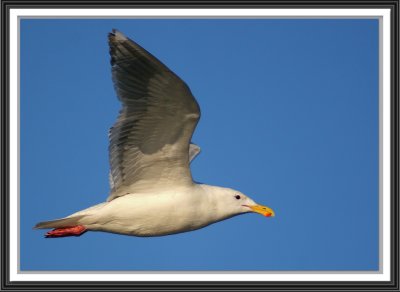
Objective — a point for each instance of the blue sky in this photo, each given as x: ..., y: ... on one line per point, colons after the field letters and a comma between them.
x: 289, y: 117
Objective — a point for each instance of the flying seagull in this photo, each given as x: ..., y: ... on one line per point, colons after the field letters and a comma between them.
x: 152, y: 190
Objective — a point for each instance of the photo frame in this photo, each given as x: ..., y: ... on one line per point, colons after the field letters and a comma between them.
x: 11, y: 279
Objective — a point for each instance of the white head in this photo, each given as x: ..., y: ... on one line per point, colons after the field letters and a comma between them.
x: 229, y: 202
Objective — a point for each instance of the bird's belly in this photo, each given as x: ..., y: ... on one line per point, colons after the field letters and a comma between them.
x: 141, y: 217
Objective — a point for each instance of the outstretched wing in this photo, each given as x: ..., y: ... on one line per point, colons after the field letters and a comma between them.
x: 149, y: 143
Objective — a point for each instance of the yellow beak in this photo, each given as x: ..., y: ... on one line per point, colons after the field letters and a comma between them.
x: 263, y: 210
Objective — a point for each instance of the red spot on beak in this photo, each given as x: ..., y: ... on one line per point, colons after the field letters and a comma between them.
x: 268, y: 215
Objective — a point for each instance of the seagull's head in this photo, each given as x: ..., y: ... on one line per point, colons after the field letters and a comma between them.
x: 235, y: 202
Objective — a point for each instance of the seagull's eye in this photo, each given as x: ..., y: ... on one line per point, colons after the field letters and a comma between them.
x: 237, y: 197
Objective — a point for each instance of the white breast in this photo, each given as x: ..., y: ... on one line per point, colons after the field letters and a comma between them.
x: 163, y: 213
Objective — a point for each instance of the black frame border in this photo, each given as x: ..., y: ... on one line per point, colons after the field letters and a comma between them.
x: 6, y: 284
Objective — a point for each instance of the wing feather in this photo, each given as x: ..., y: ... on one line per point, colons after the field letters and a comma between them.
x: 149, y: 142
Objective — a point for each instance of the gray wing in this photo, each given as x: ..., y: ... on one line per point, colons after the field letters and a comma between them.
x: 149, y: 143
x: 194, y: 150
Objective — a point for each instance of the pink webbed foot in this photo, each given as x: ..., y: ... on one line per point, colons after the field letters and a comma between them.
x: 67, y: 231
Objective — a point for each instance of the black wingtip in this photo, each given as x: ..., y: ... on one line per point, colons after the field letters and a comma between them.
x: 116, y: 35
x: 112, y: 33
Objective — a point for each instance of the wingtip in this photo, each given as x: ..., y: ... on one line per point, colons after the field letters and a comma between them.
x: 111, y: 34
x: 115, y: 34
x: 114, y: 31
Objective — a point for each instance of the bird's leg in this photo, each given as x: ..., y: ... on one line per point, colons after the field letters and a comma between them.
x: 67, y: 231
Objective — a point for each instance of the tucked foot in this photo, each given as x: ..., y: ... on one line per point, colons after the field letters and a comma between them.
x: 66, y: 231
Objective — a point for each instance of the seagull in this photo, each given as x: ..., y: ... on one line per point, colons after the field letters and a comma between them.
x: 150, y: 151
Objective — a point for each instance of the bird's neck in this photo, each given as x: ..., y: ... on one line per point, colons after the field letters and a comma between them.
x: 213, y: 199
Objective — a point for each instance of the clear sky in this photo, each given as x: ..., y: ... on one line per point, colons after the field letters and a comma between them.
x: 289, y: 117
